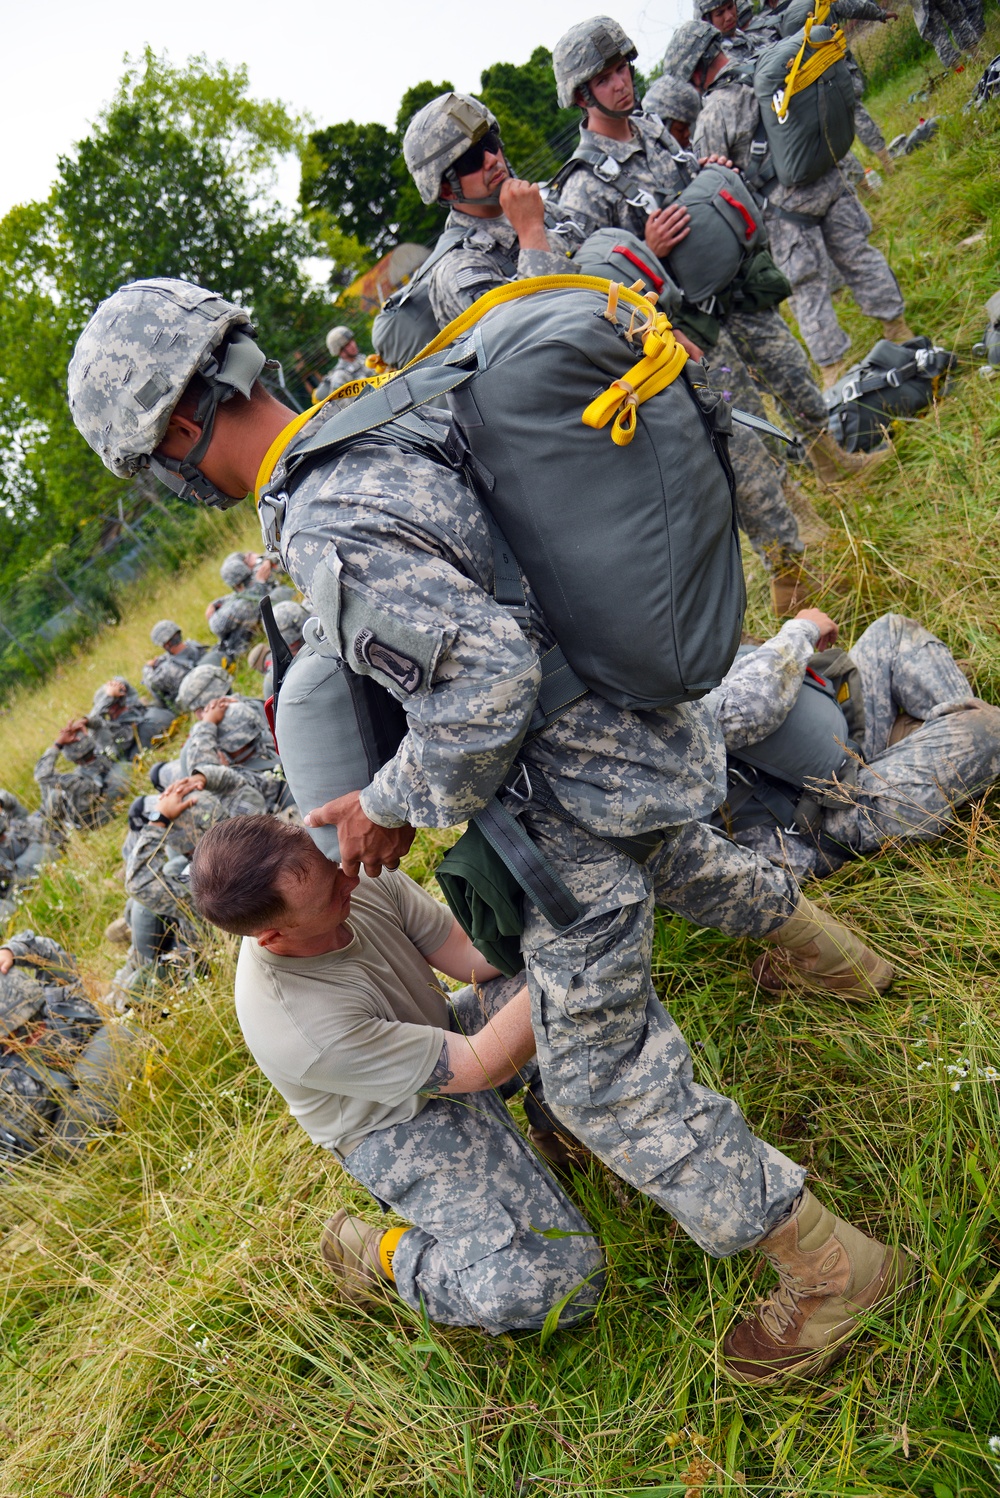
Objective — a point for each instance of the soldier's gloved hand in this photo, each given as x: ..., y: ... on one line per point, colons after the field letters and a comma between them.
x: 667, y: 227
x: 828, y: 628
x: 362, y: 842
x: 6, y: 959
x: 522, y: 203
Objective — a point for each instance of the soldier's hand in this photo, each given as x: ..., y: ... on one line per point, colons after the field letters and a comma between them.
x: 362, y: 842
x: 71, y: 732
x: 828, y: 628
x: 522, y: 203
x: 213, y: 608
x: 6, y: 959
x: 113, y: 688
x: 692, y: 349
x: 176, y: 798
x: 215, y: 711
x: 715, y: 161
x: 667, y: 227
x: 263, y: 572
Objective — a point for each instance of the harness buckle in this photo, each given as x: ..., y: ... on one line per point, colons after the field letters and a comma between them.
x: 643, y: 200
x: 522, y: 777
x: 608, y: 169
x: 892, y: 379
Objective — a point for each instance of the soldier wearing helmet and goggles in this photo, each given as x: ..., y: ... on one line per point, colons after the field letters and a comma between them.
x: 499, y: 226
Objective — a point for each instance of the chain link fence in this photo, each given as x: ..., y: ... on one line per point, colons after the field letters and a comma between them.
x: 79, y: 587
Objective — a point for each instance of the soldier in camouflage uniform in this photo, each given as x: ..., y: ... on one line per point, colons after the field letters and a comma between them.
x: 746, y: 347
x: 27, y: 840
x: 164, y: 673
x: 404, y: 1084
x: 230, y: 733
x: 766, y: 28
x: 809, y: 226
x: 951, y: 26
x: 736, y: 42
x: 394, y: 550
x: 56, y: 1058
x: 130, y: 725
x: 342, y: 346
x: 924, y: 747
x: 88, y: 795
x: 201, y: 688
x: 453, y: 151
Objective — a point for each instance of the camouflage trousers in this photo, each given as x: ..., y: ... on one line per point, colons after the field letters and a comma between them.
x: 480, y: 1202
x: 778, y: 365
x: 867, y: 130
x: 910, y: 789
x: 616, y: 1069
x: 951, y: 26
x: 764, y: 513
x: 804, y: 251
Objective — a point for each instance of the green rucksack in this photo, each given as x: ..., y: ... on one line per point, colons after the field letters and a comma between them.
x: 893, y: 382
x: 807, y: 102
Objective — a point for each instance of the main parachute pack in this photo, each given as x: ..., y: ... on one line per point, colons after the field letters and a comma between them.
x: 892, y: 382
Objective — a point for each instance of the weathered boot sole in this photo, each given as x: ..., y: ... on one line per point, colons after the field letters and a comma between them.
x: 896, y: 1279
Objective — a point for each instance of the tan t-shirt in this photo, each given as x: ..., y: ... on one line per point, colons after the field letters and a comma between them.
x: 349, y: 1036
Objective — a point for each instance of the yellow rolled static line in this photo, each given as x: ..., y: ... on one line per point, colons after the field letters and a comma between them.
x: 800, y: 73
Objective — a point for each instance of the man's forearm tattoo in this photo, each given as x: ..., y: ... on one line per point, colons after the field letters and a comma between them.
x: 441, y: 1075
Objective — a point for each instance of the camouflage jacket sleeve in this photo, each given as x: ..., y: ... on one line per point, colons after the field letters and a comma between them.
x: 760, y: 690
x: 145, y: 879
x: 45, y: 956
x: 46, y: 773
x: 203, y: 745
x: 223, y: 780
x: 465, y: 274
x: 726, y: 125
x: 857, y: 10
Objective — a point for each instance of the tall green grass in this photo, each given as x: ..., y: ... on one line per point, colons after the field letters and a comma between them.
x: 167, y: 1327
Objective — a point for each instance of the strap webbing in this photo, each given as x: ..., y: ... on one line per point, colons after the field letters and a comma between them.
x: 281, y: 656
x: 537, y: 878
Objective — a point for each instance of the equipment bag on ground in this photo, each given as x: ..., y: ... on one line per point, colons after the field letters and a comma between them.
x: 807, y: 102
x: 896, y: 380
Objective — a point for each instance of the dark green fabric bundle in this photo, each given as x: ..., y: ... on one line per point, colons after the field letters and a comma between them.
x: 485, y: 899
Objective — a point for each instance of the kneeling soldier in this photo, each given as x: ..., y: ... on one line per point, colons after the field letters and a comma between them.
x: 339, y: 1005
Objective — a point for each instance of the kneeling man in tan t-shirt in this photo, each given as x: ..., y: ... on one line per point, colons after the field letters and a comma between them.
x: 339, y: 1004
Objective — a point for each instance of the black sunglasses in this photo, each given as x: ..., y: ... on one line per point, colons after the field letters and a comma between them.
x: 472, y: 159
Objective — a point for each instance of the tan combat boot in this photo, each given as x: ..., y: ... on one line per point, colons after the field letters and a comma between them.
x: 119, y: 933
x: 359, y: 1254
x: 831, y: 464
x: 896, y: 329
x: 887, y: 162
x: 829, y: 1274
x: 829, y: 374
x: 813, y: 953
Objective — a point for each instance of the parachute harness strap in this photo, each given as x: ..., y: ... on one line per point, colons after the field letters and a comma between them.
x: 663, y: 357
x: 800, y: 73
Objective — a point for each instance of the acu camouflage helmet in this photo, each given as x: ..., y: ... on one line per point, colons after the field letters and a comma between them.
x: 692, y: 44
x: 135, y: 359
x: 241, y: 727
x: 165, y: 632
x: 671, y: 99
x: 438, y: 135
x: 336, y: 340
x: 586, y: 49
x: 81, y: 748
x: 201, y: 686
x: 236, y: 571
x: 290, y: 617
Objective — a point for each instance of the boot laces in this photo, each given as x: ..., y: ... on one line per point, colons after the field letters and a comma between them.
x: 780, y: 1308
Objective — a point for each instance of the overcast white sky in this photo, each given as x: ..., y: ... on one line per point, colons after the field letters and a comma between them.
x: 333, y: 61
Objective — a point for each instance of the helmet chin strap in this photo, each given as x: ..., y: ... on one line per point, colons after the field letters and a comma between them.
x: 587, y: 94
x: 492, y: 200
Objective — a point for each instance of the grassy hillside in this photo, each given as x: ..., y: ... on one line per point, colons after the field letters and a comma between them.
x: 166, y: 1326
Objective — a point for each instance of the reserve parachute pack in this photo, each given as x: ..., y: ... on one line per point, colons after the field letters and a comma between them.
x: 807, y: 102
x: 789, y: 776
x: 601, y: 457
x: 988, y: 348
x: 895, y: 381
x: 727, y: 224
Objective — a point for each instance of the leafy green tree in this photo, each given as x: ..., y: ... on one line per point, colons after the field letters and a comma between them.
x: 523, y: 98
